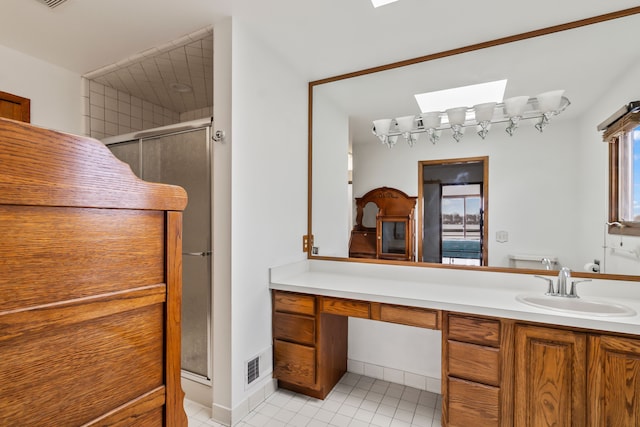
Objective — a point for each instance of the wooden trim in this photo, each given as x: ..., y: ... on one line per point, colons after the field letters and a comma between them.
x: 174, y: 409
x: 310, y: 171
x: 483, y: 45
x: 625, y: 277
x: 23, y: 103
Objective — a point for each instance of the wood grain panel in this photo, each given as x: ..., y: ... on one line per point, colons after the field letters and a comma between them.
x: 412, y: 316
x: 476, y: 330
x: 288, y: 302
x: 87, y: 252
x: 102, y: 363
x: 614, y: 381
x: 346, y: 307
x: 550, y: 382
x: 333, y: 331
x: 474, y: 362
x: 15, y: 107
x: 293, y: 327
x: 145, y: 410
x: 174, y: 414
x: 473, y: 404
x: 35, y: 320
x: 74, y: 171
x: 294, y: 363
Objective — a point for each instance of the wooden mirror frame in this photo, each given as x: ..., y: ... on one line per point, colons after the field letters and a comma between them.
x: 470, y: 48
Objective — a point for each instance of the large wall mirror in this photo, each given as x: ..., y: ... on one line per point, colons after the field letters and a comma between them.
x: 547, y: 191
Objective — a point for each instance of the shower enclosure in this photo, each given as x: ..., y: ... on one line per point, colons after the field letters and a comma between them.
x: 181, y: 155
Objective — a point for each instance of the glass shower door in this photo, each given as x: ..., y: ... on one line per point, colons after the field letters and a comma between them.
x: 184, y: 159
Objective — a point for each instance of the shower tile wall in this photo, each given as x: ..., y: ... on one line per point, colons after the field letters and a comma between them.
x: 110, y: 112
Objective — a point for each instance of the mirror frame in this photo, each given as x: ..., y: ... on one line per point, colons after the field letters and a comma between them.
x: 469, y: 48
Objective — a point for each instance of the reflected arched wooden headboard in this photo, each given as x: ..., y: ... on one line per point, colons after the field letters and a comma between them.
x: 393, y: 205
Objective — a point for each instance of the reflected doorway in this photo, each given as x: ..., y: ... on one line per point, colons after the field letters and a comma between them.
x: 452, y: 211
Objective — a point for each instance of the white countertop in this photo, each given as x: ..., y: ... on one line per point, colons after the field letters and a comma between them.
x: 473, y: 292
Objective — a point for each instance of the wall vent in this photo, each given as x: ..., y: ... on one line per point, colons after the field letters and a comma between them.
x: 51, y: 3
x: 253, y: 370
x: 258, y: 367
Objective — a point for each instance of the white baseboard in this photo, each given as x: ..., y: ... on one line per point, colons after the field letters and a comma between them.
x: 396, y: 376
x: 228, y: 417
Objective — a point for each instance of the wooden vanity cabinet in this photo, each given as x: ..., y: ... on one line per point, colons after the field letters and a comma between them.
x: 569, y: 377
x: 613, y: 380
x: 477, y: 372
x: 550, y: 377
x: 309, y: 349
x: 310, y: 334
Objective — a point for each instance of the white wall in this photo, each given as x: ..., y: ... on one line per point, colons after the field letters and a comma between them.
x: 221, y: 305
x: 55, y: 93
x: 268, y: 190
x: 330, y: 148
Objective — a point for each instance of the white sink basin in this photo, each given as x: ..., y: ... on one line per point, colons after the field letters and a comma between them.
x: 587, y: 306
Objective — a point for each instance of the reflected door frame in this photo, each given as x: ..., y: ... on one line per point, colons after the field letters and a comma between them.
x: 15, y: 107
x: 485, y: 200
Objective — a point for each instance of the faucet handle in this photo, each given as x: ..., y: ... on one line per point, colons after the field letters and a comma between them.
x: 573, y: 293
x: 550, y: 290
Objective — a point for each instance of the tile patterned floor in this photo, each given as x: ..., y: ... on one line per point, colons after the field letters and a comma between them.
x: 356, y: 401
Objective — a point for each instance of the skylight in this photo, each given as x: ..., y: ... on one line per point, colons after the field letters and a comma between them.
x: 378, y: 3
x: 461, y: 96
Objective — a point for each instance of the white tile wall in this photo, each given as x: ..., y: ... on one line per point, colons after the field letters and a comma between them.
x: 110, y: 112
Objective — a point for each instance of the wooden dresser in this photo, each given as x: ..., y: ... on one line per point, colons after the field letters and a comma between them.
x: 90, y: 286
x: 393, y: 236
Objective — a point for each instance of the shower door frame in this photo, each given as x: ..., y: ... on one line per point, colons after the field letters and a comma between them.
x: 176, y: 129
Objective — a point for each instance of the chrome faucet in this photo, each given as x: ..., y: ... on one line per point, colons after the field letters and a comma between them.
x: 563, y: 276
x: 561, y: 289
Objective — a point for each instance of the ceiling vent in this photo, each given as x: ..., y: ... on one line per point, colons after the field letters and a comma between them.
x: 51, y: 3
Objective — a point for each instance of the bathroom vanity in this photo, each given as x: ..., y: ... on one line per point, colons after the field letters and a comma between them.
x: 504, y: 363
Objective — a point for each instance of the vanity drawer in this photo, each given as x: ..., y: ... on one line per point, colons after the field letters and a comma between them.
x: 294, y: 303
x: 474, y: 362
x: 345, y: 307
x: 412, y: 316
x: 294, y: 363
x: 473, y: 404
x: 474, y: 330
x: 294, y: 327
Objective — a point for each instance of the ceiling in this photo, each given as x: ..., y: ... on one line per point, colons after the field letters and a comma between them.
x: 318, y: 38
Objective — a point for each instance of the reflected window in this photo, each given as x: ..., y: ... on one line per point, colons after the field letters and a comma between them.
x: 629, y: 177
x: 623, y: 136
x: 452, y: 211
x: 461, y: 224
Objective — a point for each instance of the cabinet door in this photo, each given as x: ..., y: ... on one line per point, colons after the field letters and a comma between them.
x: 394, y: 237
x: 614, y: 381
x: 550, y: 380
